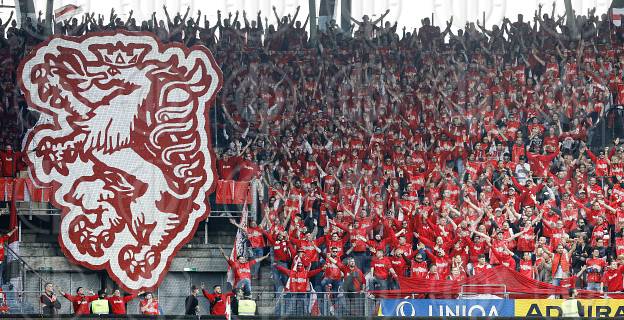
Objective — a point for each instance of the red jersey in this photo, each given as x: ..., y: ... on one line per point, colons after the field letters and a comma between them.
x: 480, y: 268
x: 149, y: 307
x: 298, y: 280
x: 526, y: 268
x: 595, y: 268
x: 118, y: 304
x: 612, y: 279
x: 255, y: 236
x: 80, y: 303
x: 217, y: 302
x: 419, y: 269
x: 241, y: 270
x: 382, y: 267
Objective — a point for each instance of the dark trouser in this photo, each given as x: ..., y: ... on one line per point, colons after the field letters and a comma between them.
x: 331, y: 297
x: 393, y: 284
x: 379, y: 284
x: 362, y: 261
x: 297, y: 303
x: 257, y: 252
x: 354, y: 304
x: 279, y: 278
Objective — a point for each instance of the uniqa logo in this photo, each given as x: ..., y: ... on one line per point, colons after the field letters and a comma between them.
x: 462, y: 311
x: 400, y: 309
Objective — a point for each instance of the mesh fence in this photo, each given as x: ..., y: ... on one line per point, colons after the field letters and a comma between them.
x: 286, y: 304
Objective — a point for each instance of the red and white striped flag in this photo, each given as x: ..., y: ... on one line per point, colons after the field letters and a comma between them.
x: 616, y: 16
x: 66, y: 12
x: 228, y: 308
x: 616, y: 11
x: 314, y: 304
x: 239, y: 244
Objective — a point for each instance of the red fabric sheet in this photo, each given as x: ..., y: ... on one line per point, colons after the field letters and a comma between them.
x: 516, y: 284
x: 233, y: 192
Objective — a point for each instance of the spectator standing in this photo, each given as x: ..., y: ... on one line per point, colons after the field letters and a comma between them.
x: 3, y: 240
x: 149, y: 305
x: 298, y: 286
x: 217, y: 299
x: 571, y: 307
x: 80, y: 302
x: 242, y: 270
x: 49, y: 301
x: 118, y: 303
x: 353, y: 286
x: 191, y: 304
x: 100, y: 305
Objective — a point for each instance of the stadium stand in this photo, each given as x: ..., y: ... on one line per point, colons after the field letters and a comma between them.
x: 377, y: 154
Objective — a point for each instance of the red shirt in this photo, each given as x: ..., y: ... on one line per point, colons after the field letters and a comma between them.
x: 419, y: 269
x: 479, y: 269
x: 298, y: 280
x: 241, y: 270
x: 281, y: 250
x: 332, y: 270
x: 3, y: 239
x: 526, y: 268
x: 80, y: 303
x: 9, y: 162
x: 255, y: 236
x: 118, y: 304
x: 612, y: 278
x: 382, y: 267
x: 227, y: 167
x: 149, y: 308
x: 248, y: 170
x: 597, y: 264
x: 217, y: 302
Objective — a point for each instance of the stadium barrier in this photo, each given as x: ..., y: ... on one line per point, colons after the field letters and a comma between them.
x: 97, y: 317
x: 496, y: 307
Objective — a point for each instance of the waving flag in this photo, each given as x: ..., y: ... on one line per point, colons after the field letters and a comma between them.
x: 617, y: 11
x: 239, y: 244
x: 66, y: 12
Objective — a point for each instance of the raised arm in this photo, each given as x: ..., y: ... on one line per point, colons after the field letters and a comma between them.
x: 292, y: 22
x: 279, y: 21
x: 6, y: 24
x: 188, y: 9
x: 129, y: 17
x: 224, y: 255
x: 382, y: 17
x: 167, y: 15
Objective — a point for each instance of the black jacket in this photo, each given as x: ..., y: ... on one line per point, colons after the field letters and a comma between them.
x: 49, y: 307
x: 190, y: 305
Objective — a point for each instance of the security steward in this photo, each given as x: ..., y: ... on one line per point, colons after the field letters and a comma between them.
x: 246, y: 306
x: 100, y: 306
x: 571, y: 307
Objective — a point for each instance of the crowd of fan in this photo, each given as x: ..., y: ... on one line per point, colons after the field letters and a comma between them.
x: 429, y: 154
x: 433, y: 155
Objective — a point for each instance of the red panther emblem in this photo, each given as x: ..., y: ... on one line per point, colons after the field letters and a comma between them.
x: 124, y: 142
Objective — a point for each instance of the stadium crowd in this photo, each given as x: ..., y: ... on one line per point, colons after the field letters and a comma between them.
x: 427, y: 153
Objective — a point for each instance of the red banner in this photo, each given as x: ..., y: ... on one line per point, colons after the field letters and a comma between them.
x: 493, y: 281
x: 136, y: 150
x: 233, y: 192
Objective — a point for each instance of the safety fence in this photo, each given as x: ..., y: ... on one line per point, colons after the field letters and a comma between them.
x: 359, y: 305
x: 336, y: 304
x: 284, y: 304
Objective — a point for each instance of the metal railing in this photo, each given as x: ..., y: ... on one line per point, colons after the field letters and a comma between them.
x: 337, y: 304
